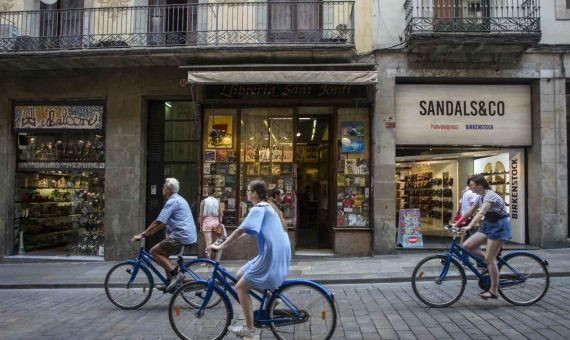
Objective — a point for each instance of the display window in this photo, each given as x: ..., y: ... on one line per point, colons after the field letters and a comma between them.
x: 266, y: 151
x: 353, y: 169
x: 432, y: 181
x: 59, y: 194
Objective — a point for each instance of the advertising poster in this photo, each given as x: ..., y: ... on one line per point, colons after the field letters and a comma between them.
x: 409, y: 229
x: 224, y: 126
x: 354, y: 131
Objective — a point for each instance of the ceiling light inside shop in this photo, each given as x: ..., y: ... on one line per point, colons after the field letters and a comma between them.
x: 168, y: 104
x: 298, y: 134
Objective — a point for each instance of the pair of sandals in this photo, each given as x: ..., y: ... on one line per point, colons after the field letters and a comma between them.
x: 486, y: 295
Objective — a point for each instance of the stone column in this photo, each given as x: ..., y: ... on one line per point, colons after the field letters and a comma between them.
x: 384, y: 148
x: 547, y: 163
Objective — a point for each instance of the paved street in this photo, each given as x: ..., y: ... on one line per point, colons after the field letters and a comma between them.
x: 367, y: 311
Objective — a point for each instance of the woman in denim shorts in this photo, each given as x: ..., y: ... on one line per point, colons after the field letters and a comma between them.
x: 495, y: 230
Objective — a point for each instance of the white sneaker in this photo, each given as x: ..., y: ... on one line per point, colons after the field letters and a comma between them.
x: 174, y: 281
x: 243, y: 332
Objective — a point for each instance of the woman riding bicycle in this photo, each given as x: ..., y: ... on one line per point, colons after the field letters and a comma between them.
x: 495, y: 230
x: 268, y: 269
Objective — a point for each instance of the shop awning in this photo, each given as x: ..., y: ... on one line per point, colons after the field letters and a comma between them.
x: 283, y: 77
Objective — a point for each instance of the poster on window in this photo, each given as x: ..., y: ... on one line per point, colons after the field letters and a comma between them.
x: 409, y: 229
x: 352, y: 137
x: 220, y: 129
x: 84, y: 117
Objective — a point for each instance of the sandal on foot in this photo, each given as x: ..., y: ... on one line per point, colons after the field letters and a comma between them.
x: 490, y: 296
x: 484, y: 271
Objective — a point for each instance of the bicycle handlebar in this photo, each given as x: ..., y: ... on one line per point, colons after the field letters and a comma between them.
x: 454, y: 230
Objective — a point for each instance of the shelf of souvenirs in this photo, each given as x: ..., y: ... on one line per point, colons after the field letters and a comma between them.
x: 50, y: 202
x: 40, y: 188
x: 50, y: 217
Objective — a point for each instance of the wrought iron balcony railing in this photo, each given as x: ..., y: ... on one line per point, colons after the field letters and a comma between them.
x: 472, y: 16
x: 208, y: 24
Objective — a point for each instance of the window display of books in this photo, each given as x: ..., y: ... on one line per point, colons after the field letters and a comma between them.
x: 220, y: 175
x: 353, y: 192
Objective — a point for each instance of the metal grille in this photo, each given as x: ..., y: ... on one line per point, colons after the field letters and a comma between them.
x: 219, y: 24
x: 472, y: 16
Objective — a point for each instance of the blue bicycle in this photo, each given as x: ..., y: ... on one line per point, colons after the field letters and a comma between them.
x: 298, y: 309
x: 439, y: 280
x: 129, y: 284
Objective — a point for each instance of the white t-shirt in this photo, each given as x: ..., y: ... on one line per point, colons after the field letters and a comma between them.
x: 211, y: 207
x: 468, y: 199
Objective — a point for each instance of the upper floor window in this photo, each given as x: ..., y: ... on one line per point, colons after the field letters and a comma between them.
x: 63, y: 18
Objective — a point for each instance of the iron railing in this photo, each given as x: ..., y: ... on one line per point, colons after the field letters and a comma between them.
x: 472, y: 16
x: 219, y: 24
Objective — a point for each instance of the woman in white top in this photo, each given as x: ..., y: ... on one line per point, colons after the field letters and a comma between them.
x: 210, y: 217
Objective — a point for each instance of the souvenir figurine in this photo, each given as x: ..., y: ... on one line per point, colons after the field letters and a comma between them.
x: 59, y: 151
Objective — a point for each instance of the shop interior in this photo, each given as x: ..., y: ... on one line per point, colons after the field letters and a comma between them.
x: 432, y: 180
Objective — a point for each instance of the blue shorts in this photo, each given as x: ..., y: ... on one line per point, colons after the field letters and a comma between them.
x: 499, y: 230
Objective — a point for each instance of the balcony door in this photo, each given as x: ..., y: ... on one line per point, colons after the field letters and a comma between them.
x: 295, y: 21
x: 173, y: 22
x: 61, y: 24
x: 461, y: 15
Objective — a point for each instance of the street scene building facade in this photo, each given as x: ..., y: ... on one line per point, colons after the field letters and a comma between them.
x: 363, y: 112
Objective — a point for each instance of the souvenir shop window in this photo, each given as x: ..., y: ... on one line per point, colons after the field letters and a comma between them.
x: 353, y: 170
x: 220, y: 161
x: 266, y: 151
x: 59, y: 192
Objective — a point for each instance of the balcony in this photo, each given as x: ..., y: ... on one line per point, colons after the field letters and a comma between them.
x: 254, y: 24
x: 488, y: 26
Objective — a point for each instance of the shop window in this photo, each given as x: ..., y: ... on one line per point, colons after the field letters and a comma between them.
x: 266, y: 151
x: 353, y: 170
x: 220, y: 161
x: 59, y: 187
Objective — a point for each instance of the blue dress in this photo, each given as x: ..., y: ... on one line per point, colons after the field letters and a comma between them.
x: 270, y: 268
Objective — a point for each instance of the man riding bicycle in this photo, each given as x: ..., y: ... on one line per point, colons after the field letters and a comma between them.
x: 176, y: 216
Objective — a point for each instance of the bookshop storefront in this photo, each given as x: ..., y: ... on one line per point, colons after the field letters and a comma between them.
x: 310, y: 140
x: 465, y: 130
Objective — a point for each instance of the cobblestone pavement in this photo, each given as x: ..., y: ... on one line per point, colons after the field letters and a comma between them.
x: 367, y: 311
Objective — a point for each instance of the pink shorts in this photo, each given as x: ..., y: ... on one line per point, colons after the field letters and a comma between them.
x: 209, y: 223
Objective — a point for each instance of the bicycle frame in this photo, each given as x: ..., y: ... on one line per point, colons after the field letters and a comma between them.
x: 220, y: 277
x: 463, y: 256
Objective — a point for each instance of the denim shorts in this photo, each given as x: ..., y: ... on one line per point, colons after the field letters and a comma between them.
x: 499, y: 230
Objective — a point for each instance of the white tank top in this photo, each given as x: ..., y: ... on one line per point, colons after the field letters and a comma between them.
x: 211, y: 206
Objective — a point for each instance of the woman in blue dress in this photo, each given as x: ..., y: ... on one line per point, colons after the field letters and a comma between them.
x: 268, y: 269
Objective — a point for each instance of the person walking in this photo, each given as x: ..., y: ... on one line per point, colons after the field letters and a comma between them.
x: 495, y: 230
x: 176, y: 217
x: 466, y: 211
x: 277, y: 196
x: 268, y: 269
x: 210, y: 219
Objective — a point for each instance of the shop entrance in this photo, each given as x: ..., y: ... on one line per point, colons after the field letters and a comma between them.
x: 313, y: 181
x: 173, y: 146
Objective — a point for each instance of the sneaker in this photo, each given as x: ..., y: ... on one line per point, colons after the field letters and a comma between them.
x: 174, y: 281
x: 243, y: 332
x: 160, y: 287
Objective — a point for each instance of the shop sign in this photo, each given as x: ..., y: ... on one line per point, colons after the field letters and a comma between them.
x: 463, y: 114
x: 409, y: 230
x: 34, y: 117
x: 61, y: 165
x: 240, y: 91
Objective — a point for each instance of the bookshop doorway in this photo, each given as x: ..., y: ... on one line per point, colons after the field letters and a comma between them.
x: 314, y: 181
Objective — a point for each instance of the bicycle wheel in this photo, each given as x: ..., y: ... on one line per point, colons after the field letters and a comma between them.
x: 317, y: 310
x: 211, y: 323
x: 205, y: 271
x: 431, y: 289
x: 123, y: 295
x: 530, y: 272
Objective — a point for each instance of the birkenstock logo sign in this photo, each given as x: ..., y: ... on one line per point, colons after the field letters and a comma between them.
x: 452, y: 114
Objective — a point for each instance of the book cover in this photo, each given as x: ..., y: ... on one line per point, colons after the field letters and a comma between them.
x: 276, y: 169
x: 221, y: 155
x: 220, y: 181
x: 222, y: 169
x: 340, y: 220
x: 265, y: 170
x: 213, y: 168
x: 207, y: 168
x: 230, y: 156
x: 288, y: 184
x: 352, y: 219
x: 231, y: 203
x: 230, y: 180
x: 232, y: 169
x: 350, y: 166
x: 286, y: 168
x: 271, y: 186
x: 218, y: 193
x: 340, y: 180
x: 358, y: 203
x: 281, y: 183
x: 362, y: 166
x: 209, y: 155
x: 348, y: 203
x: 252, y: 169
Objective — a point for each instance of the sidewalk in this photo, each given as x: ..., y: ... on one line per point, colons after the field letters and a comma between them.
x: 382, y: 268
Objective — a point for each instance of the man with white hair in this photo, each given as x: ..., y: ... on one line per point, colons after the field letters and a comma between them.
x: 176, y: 216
